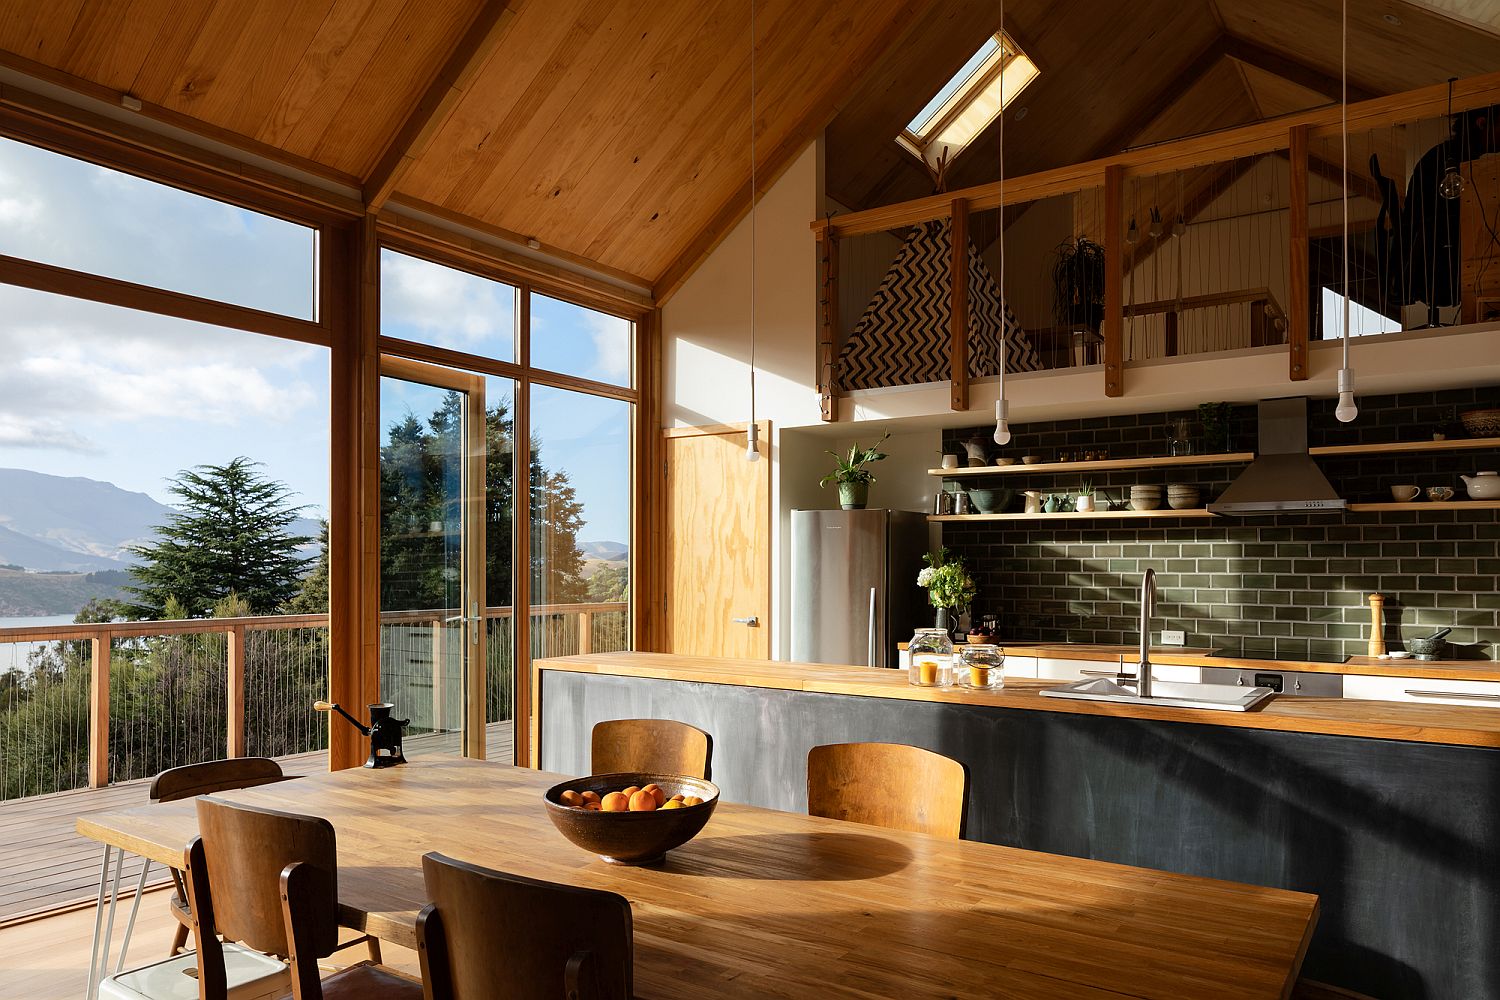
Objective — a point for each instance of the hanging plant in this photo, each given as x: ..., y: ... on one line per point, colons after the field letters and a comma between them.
x: 1078, y: 283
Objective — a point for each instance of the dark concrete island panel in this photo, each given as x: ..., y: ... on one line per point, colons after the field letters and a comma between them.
x: 1395, y: 837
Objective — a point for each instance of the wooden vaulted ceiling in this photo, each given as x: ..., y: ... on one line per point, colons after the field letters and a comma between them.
x: 616, y: 131
x: 613, y: 131
x: 1115, y: 77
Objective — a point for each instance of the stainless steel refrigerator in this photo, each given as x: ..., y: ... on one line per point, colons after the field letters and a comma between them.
x: 854, y: 584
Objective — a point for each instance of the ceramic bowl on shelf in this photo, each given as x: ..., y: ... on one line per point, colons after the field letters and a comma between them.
x: 1031, y: 460
x: 991, y: 501
x: 1439, y: 494
x: 1003, y: 462
x: 1481, y: 423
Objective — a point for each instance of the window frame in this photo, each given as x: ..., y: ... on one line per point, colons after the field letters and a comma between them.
x: 989, y: 72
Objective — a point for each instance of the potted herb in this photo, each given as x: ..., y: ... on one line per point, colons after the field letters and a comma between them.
x: 1215, y: 419
x: 853, y: 478
x: 950, y: 588
x: 1083, y: 503
x: 1078, y: 284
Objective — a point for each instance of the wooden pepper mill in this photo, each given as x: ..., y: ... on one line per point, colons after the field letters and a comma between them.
x: 1377, y: 625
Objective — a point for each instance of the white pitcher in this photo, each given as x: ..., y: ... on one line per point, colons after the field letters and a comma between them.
x: 1483, y: 485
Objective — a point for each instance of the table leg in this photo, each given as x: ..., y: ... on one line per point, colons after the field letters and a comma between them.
x: 95, y: 962
x: 135, y: 906
x: 109, y: 917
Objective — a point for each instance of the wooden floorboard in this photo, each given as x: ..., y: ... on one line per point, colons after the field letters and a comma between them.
x: 45, y: 864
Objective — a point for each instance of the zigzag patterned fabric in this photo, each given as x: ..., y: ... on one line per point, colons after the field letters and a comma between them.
x: 903, y: 336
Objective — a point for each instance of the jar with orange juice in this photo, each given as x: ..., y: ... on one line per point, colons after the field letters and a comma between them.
x: 931, y: 651
x: 981, y: 667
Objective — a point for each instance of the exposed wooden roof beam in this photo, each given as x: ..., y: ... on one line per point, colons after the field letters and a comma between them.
x: 438, y: 101
x: 1289, y: 69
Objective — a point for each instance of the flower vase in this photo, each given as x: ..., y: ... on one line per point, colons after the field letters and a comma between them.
x: 942, y: 621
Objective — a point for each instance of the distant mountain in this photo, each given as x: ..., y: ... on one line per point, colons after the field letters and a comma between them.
x: 73, y: 523
x: 605, y: 551
x: 34, y: 594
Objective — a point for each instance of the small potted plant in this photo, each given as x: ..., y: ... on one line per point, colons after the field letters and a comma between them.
x: 950, y: 588
x: 853, y: 478
x: 1078, y: 285
x: 1083, y: 503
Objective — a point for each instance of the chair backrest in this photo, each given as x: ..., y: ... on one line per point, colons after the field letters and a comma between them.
x: 888, y: 784
x: 214, y: 776
x: 487, y: 934
x: 236, y: 865
x: 660, y: 746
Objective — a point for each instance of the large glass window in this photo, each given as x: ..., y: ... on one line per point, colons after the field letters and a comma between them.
x: 70, y: 213
x: 574, y: 340
x: 429, y: 303
x: 580, y: 522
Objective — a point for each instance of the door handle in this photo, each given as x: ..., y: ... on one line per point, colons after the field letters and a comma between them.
x: 1459, y: 695
x: 751, y: 622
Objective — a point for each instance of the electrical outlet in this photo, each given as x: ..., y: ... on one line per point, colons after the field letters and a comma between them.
x: 1173, y: 637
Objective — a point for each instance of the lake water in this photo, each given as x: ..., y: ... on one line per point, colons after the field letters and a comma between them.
x: 33, y: 622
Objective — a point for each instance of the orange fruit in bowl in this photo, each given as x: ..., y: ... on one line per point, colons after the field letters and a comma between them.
x: 672, y: 804
x: 615, y: 802
x: 677, y: 798
x: 589, y: 796
x: 692, y: 800
x: 642, y: 801
x: 629, y: 792
x: 591, y: 806
x: 656, y: 792
x: 570, y: 798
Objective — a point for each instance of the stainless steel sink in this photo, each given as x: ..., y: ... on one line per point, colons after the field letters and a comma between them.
x: 1169, y: 694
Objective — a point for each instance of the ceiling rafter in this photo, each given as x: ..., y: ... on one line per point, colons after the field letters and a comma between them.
x: 437, y: 101
x: 1289, y: 69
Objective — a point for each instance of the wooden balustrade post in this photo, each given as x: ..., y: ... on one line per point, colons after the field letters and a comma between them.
x: 235, y: 708
x: 1114, y: 280
x: 99, y: 649
x: 828, y: 323
x: 585, y: 632
x: 1299, y: 302
x: 958, y: 271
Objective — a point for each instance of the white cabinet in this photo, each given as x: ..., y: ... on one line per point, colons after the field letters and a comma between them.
x: 1427, y: 690
x: 1056, y: 668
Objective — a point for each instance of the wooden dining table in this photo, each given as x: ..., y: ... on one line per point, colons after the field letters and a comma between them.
x: 774, y: 904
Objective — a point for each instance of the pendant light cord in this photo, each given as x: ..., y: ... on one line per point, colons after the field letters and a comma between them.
x: 1344, y: 132
x: 752, y: 213
x: 1004, y: 305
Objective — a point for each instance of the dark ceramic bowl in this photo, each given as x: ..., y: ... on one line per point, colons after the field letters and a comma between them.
x: 632, y: 838
x: 991, y: 501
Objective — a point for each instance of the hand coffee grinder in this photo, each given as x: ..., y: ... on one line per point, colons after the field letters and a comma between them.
x: 384, y: 732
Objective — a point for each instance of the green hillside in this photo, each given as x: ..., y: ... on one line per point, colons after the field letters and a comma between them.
x: 27, y: 594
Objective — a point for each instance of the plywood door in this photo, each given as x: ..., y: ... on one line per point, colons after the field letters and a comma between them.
x: 718, y: 544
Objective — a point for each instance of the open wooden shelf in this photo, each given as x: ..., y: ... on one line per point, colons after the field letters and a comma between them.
x: 1406, y: 447
x: 1101, y: 465
x: 1071, y: 515
x: 1420, y: 505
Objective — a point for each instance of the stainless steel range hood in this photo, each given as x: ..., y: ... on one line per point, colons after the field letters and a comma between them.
x: 1283, y: 476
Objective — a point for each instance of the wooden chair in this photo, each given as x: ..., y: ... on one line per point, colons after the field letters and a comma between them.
x: 487, y: 934
x: 211, y: 776
x: 656, y: 745
x: 269, y: 880
x: 888, y: 784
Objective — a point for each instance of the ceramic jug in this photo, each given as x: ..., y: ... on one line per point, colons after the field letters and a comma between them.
x: 1483, y: 485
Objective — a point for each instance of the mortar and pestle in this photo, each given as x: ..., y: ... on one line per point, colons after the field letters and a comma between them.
x: 1430, y: 648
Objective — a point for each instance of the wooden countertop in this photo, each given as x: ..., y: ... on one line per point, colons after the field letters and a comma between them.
x: 1454, y: 670
x: 1424, y: 723
x: 770, y: 904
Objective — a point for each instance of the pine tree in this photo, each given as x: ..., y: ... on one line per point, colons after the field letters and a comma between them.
x: 229, y: 535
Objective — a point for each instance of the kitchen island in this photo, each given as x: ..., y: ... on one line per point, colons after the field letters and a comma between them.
x: 1387, y: 811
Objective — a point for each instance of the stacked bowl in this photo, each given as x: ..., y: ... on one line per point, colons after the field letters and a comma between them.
x: 1183, y: 497
x: 1145, y: 497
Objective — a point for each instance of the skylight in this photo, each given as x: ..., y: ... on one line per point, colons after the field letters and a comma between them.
x: 970, y: 101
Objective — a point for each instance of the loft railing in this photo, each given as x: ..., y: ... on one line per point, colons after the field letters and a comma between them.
x: 139, y: 697
x: 1296, y: 160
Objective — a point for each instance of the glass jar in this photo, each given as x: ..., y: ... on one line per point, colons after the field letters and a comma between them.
x: 982, y: 667
x: 931, y: 651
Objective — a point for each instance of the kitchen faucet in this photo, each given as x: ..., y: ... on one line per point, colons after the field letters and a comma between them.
x: 1148, y: 608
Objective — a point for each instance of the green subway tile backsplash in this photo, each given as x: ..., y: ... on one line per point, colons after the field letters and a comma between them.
x: 1290, y: 585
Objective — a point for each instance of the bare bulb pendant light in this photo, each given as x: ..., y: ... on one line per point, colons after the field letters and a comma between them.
x: 1347, y: 409
x: 752, y: 434
x: 1451, y: 186
x: 1002, y: 405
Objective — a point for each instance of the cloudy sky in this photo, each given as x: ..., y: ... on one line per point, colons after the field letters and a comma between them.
x: 132, y: 398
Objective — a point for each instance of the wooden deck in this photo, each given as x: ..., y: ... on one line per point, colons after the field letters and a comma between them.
x: 45, y: 865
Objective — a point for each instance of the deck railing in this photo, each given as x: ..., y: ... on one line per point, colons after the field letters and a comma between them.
x: 91, y: 704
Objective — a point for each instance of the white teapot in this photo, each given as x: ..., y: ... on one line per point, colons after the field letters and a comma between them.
x: 1483, y: 485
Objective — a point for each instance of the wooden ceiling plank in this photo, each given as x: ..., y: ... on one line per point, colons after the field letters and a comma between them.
x: 1289, y: 68
x: 779, y: 158
x: 619, y: 143
x: 39, y: 31
x: 338, y: 54
x: 391, y: 82
x: 438, y: 101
